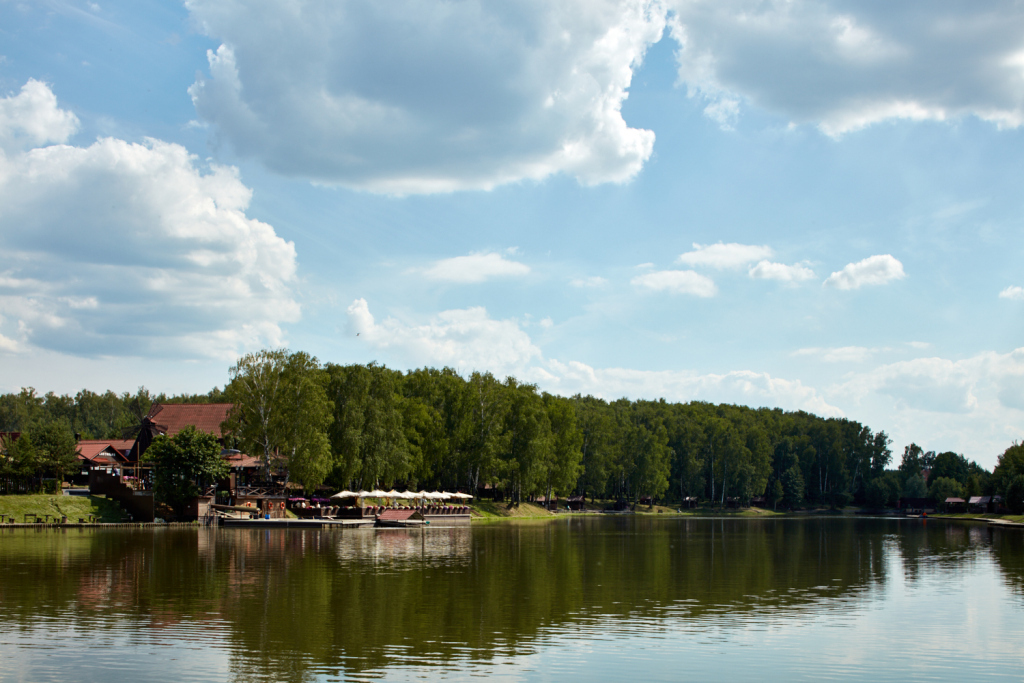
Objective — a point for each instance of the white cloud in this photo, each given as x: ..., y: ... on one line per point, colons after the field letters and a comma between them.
x: 766, y: 270
x: 469, y: 340
x: 874, y: 270
x: 973, y: 406
x: 475, y: 268
x: 121, y: 249
x: 587, y: 282
x: 722, y: 256
x: 979, y: 384
x: 677, y: 282
x: 1012, y: 292
x: 465, y: 339
x: 843, y: 66
x: 842, y: 354
x: 413, y: 96
x: 32, y: 118
x: 743, y: 386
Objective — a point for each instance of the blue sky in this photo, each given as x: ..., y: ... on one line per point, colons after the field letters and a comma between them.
x: 809, y: 205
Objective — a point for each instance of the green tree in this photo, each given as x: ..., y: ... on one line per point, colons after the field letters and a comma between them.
x: 882, y: 492
x: 564, y: 464
x: 1009, y: 466
x: 280, y: 408
x: 56, y: 450
x: 367, y: 435
x: 597, y: 426
x: 1014, y: 498
x: 951, y: 466
x: 529, y: 441
x: 943, y: 488
x: 793, y: 487
x: 911, y: 464
x: 256, y: 394
x: 777, y: 494
x: 915, y: 487
x: 183, y: 464
x: 19, y: 462
x: 302, y: 426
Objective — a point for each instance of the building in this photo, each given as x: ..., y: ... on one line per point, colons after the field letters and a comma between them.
x: 169, y: 419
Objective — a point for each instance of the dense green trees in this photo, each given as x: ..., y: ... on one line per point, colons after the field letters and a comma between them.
x: 46, y: 455
x: 368, y: 426
x: 281, y: 410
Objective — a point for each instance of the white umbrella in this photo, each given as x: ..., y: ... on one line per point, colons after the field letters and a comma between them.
x: 377, y: 493
x: 440, y: 496
x: 463, y: 496
x: 345, y: 494
x: 393, y: 494
x: 423, y: 494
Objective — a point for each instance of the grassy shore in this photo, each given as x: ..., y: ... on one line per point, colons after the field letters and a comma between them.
x: 74, y: 507
x: 1016, y: 519
x: 488, y: 510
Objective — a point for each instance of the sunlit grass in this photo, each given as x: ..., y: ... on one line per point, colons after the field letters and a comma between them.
x: 75, y: 507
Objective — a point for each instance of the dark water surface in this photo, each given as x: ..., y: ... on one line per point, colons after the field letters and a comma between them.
x: 602, y: 599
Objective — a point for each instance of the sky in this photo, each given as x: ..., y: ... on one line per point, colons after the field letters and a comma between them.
x: 805, y: 205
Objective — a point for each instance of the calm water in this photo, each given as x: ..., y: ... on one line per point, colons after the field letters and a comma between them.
x: 605, y: 598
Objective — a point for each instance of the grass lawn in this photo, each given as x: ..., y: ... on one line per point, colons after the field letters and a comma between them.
x: 489, y: 510
x: 74, y: 507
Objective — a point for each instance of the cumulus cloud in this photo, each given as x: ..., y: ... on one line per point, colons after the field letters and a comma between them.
x: 843, y: 66
x: 466, y: 339
x: 723, y: 256
x: 874, y: 270
x: 475, y: 268
x: 121, y: 248
x: 414, y: 96
x: 470, y: 340
x: 1012, y: 292
x: 677, y: 282
x: 766, y: 270
x: 32, y: 118
x: 971, y: 405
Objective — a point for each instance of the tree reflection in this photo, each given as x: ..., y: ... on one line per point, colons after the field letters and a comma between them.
x: 288, y: 605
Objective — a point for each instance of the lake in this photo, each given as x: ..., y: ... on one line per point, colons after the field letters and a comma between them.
x: 600, y: 598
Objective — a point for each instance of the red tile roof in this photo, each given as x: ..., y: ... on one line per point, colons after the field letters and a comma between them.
x: 90, y: 449
x: 206, y: 417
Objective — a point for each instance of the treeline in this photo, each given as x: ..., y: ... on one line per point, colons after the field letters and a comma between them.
x: 88, y: 414
x: 368, y: 426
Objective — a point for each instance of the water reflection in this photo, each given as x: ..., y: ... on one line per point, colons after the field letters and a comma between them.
x: 297, y: 605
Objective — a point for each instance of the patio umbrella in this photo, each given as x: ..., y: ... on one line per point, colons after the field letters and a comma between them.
x: 377, y: 493
x: 345, y: 494
x: 440, y: 496
x: 463, y: 496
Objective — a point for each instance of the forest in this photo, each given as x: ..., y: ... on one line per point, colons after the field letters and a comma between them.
x: 369, y: 426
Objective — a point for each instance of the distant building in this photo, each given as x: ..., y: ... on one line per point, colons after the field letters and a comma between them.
x: 103, y: 453
x: 169, y: 419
